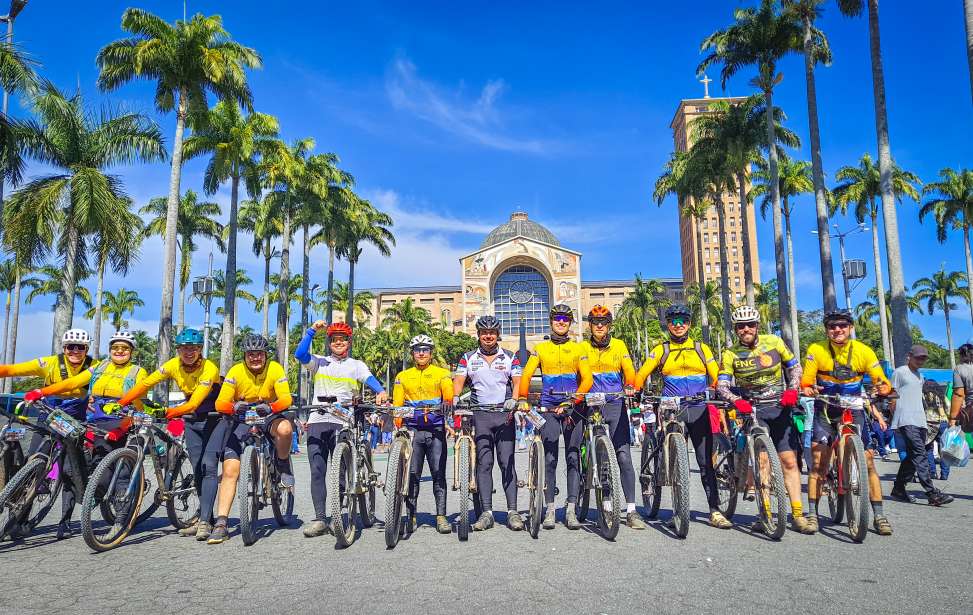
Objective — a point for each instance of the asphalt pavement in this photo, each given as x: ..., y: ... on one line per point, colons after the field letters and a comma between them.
x: 923, y: 568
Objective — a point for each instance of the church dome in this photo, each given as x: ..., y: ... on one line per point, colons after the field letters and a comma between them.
x: 519, y: 226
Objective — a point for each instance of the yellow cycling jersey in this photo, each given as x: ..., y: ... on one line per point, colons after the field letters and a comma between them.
x: 240, y: 384
x: 564, y: 369
x: 423, y: 387
x: 689, y: 368
x: 611, y: 367
x: 760, y: 368
x: 51, y: 369
x: 112, y: 380
x: 195, y: 384
x: 854, y: 357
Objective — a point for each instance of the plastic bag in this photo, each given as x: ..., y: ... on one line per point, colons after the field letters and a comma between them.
x: 955, y: 448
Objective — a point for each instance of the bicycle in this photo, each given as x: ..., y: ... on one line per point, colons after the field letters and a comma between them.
x: 535, y: 474
x: 30, y: 494
x: 752, y: 453
x: 464, y: 465
x: 351, y: 480
x: 119, y: 482
x: 11, y: 450
x: 665, y: 457
x: 259, y: 484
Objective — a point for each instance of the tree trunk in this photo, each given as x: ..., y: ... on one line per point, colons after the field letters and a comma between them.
x: 268, y: 255
x: 99, y: 310
x: 880, y: 288
x: 784, y: 300
x: 724, y: 274
x: 330, y: 310
x: 350, y: 311
x: 745, y: 237
x: 949, y: 336
x: 703, y: 316
x: 968, y: 12
x: 169, y: 251
x: 184, y: 261
x: 306, y: 270
x: 817, y: 173
x: 229, y: 279
x: 6, y: 323
x: 901, y: 333
x: 64, y: 307
x: 283, y: 287
x: 791, y: 289
x: 969, y: 260
x: 10, y: 355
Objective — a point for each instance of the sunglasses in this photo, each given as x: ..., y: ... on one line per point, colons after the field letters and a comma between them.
x: 839, y: 325
x: 600, y: 322
x: 561, y: 318
x: 745, y: 325
x: 75, y: 347
x: 678, y: 322
x: 422, y: 350
x: 120, y: 347
x: 189, y: 348
x: 339, y: 338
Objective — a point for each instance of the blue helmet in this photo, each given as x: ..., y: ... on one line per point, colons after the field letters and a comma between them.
x: 189, y: 336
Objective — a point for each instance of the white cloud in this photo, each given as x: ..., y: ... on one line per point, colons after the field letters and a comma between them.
x: 421, y: 220
x: 34, y: 332
x: 478, y: 121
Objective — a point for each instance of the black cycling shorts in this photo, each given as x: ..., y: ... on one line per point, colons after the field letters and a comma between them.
x: 238, y: 434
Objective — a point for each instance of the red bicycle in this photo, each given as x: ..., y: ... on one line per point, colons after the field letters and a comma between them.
x: 846, y: 484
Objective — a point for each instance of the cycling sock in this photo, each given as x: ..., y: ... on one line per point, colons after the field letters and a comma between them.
x: 797, y: 509
x: 221, y: 520
x: 812, y: 507
x: 877, y: 509
x: 511, y: 512
x: 631, y: 507
x: 488, y: 512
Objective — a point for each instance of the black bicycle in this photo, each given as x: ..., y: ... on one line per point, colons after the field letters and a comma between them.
x: 599, y: 469
x: 464, y: 464
x: 259, y: 484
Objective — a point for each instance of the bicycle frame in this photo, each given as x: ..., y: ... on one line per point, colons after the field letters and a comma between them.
x: 465, y: 434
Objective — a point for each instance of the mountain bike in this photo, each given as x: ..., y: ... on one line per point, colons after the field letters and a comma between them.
x: 11, y: 449
x: 665, y: 456
x: 259, y: 484
x: 30, y: 493
x: 535, y: 473
x: 464, y: 465
x: 351, y: 480
x: 119, y: 482
x: 752, y: 453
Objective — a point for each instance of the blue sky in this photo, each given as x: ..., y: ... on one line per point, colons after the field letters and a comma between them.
x: 452, y: 115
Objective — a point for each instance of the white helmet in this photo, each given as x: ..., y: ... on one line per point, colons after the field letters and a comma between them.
x: 744, y: 313
x: 75, y: 336
x: 123, y: 336
x: 421, y: 340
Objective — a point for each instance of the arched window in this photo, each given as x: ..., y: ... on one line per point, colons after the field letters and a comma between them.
x: 446, y: 317
x: 522, y: 291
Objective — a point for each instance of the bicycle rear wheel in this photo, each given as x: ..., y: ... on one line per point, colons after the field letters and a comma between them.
x: 726, y: 477
x: 535, y: 487
x: 248, y: 494
x: 396, y: 477
x: 836, y: 504
x: 182, y: 503
x: 649, y: 478
x: 585, y: 469
x: 463, y: 459
x: 123, y: 484
x: 856, y: 487
x: 609, y: 488
x: 679, y: 480
x: 771, y: 496
x: 341, y: 495
x: 18, y: 496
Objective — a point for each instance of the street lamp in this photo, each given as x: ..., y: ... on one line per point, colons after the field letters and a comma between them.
x: 15, y: 7
x: 203, y: 288
x: 853, y: 269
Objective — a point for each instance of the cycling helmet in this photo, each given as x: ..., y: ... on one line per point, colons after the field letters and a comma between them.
x: 488, y: 323
x: 122, y: 336
x: 254, y: 343
x: 561, y: 310
x: 189, y: 337
x: 75, y: 336
x: 836, y: 316
x: 744, y: 313
x: 421, y: 340
x: 339, y: 328
x: 678, y: 310
x: 600, y: 312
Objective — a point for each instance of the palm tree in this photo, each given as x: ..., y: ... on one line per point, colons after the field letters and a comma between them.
x: 816, y: 49
x: 639, y: 310
x: 760, y: 37
x: 194, y: 220
x: 9, y: 283
x: 220, y: 290
x: 938, y: 293
x: 901, y: 332
x: 968, y: 14
x: 79, y: 198
x: 362, y: 303
x: 338, y: 209
x: 188, y: 60
x: 861, y: 185
x: 869, y: 309
x: 260, y: 219
x: 406, y: 320
x: 17, y: 74
x: 952, y: 205
x: 51, y: 282
x: 708, y: 294
x: 120, y: 255
x: 794, y: 179
x: 766, y: 302
x: 117, y: 305
x: 234, y: 141
x: 367, y: 226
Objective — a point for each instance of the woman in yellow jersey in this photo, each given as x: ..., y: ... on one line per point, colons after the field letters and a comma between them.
x: 256, y: 380
x: 564, y: 369
x: 612, y: 373
x: 205, y: 435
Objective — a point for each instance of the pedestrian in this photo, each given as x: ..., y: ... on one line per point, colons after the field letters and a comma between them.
x: 937, y: 417
x: 960, y: 406
x: 909, y: 420
x: 374, y: 431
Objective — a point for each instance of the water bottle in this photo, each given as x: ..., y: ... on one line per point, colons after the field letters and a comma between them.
x: 535, y: 418
x: 341, y: 412
x: 741, y: 441
x: 160, y: 449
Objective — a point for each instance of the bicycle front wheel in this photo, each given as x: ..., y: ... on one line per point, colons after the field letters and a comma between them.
x: 122, y: 482
x: 341, y: 495
x: 726, y: 478
x: 855, y: 479
x: 836, y: 503
x: 679, y: 481
x: 608, y: 492
x: 535, y: 487
x: 366, y: 501
x: 771, y: 495
x: 182, y: 503
x: 464, y: 455
x: 248, y: 494
x: 649, y: 478
x: 585, y: 469
x: 396, y: 477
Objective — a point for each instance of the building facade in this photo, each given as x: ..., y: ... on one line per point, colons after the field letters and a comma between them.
x: 708, y: 248
x: 519, y: 271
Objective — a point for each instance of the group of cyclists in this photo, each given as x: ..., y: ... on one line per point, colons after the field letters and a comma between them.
x: 757, y: 374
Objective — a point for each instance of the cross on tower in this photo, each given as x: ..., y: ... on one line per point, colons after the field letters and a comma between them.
x: 705, y: 81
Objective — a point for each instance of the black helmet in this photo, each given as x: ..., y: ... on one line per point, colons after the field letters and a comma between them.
x: 488, y: 323
x: 254, y: 343
x: 561, y: 310
x: 837, y: 315
x: 677, y: 310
